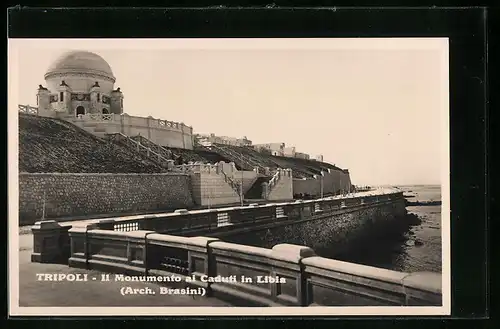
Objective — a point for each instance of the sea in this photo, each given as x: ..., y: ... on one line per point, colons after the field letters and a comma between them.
x: 417, y: 249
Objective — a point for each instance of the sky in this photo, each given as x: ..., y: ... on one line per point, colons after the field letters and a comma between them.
x: 378, y: 107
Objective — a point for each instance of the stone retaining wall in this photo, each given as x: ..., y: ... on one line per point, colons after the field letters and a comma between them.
x: 89, y: 194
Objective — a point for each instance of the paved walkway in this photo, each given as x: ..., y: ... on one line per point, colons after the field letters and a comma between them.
x: 90, y: 293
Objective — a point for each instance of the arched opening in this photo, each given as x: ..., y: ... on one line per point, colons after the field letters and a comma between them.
x: 105, y: 111
x: 80, y: 110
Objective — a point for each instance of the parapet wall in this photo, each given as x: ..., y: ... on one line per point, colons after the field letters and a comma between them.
x: 332, y: 182
x: 286, y: 275
x: 162, y: 132
x: 318, y: 222
x: 87, y: 194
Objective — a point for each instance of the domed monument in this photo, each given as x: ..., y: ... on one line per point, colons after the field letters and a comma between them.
x: 80, y: 89
x: 79, y: 83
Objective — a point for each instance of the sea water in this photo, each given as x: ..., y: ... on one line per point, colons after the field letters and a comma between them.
x: 417, y: 249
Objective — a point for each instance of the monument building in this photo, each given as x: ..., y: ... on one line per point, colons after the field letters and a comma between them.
x: 80, y: 88
x: 78, y: 83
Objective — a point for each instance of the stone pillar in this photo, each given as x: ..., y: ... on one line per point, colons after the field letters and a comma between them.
x: 291, y: 256
x: 64, y: 104
x: 202, y: 256
x: 79, y: 247
x: 43, y: 97
x: 150, y: 120
x: 117, y: 101
x: 95, y: 99
x: 48, y: 242
x: 265, y: 190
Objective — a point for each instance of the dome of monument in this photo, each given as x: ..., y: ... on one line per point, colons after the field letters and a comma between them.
x: 81, y: 62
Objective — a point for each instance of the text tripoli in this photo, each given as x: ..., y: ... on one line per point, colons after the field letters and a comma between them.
x: 203, y: 278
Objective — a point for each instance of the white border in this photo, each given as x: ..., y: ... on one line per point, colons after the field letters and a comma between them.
x: 317, y: 44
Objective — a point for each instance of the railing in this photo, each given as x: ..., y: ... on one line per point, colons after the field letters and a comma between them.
x: 28, y: 109
x: 137, y: 146
x: 274, y: 180
x: 246, y: 163
x: 286, y: 275
x: 234, y: 185
x: 166, y: 153
x: 169, y: 124
x: 97, y: 117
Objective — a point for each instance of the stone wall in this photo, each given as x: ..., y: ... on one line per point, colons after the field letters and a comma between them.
x: 69, y: 194
x: 162, y: 132
x: 333, y: 181
x: 283, y: 190
x: 328, y: 236
x: 210, y: 188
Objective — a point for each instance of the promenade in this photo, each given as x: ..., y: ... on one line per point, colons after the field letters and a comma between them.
x: 33, y: 293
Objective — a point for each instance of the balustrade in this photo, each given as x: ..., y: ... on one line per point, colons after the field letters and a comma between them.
x: 28, y: 109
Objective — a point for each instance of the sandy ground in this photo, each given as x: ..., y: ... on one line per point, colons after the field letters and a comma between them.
x: 91, y: 293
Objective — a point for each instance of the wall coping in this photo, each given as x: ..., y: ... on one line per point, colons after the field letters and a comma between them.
x: 200, y: 241
x: 428, y: 281
x: 250, y: 250
x: 130, y: 234
x: 356, y: 269
x: 291, y: 252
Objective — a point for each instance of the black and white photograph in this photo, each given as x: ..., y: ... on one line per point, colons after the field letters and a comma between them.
x: 229, y: 176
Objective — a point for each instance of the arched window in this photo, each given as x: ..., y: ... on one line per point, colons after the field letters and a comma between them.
x: 80, y: 110
x: 61, y: 96
x: 105, y: 111
x: 98, y: 97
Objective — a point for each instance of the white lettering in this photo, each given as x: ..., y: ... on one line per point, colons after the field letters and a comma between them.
x: 270, y: 279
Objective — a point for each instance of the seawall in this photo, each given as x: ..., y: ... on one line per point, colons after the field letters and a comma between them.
x: 321, y: 224
x: 325, y: 227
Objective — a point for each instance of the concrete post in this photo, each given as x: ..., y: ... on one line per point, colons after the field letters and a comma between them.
x: 265, y: 190
x: 47, y: 242
x: 293, y: 254
x: 79, y: 247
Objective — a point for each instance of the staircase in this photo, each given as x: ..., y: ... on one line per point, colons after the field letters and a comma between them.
x: 132, y: 144
x: 245, y: 163
x: 93, y: 124
x: 255, y: 192
x: 234, y: 185
x: 164, y: 152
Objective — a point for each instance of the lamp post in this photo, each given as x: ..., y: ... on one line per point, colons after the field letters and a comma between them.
x: 209, y: 196
x: 321, y: 182
x: 43, y: 206
x: 241, y: 183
